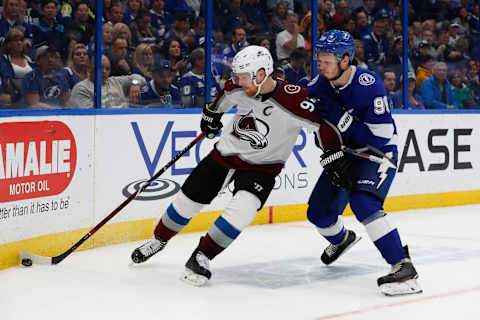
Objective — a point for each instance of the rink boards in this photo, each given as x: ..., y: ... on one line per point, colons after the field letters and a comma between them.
x: 63, y: 173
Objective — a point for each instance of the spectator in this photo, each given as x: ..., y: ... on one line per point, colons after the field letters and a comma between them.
x: 289, y: 39
x: 279, y: 19
x: 351, y: 26
x: 161, y: 19
x: 424, y: 71
x: 181, y: 33
x: 107, y: 38
x: 239, y: 41
x: 10, y: 20
x: 427, y: 35
x: 40, y: 87
x: 257, y: 22
x: 48, y: 31
x: 303, y: 82
x: 67, y: 12
x: 359, y: 56
x: 77, y: 67
x: 113, y: 89
x: 376, y: 45
x: 436, y: 91
x: 121, y: 30
x: 160, y: 92
x: 422, y: 51
x: 414, y: 99
x: 341, y: 14
x: 121, y: 62
x: 143, y: 61
x: 369, y: 7
x: 454, y: 32
x: 141, y: 30
x: 395, y: 57
x: 115, y: 14
x: 15, y: 64
x: 445, y: 51
x: 172, y: 52
x: 236, y: 18
x: 363, y: 28
x: 473, y: 80
x: 463, y: 94
x: 80, y: 28
x: 295, y: 69
x: 192, y: 84
x: 178, y: 6
x: 131, y: 8
x: 390, y: 83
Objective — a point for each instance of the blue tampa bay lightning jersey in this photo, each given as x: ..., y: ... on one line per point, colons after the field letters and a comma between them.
x: 365, y: 98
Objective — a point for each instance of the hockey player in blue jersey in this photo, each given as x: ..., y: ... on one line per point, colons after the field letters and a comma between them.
x: 359, y: 110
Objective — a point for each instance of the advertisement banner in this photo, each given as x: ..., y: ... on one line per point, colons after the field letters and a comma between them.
x: 46, y: 174
x: 130, y: 149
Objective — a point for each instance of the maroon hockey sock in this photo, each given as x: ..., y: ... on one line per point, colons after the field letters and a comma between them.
x: 208, y: 247
x: 163, y: 233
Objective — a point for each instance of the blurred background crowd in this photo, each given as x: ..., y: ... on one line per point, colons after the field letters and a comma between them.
x: 154, y: 49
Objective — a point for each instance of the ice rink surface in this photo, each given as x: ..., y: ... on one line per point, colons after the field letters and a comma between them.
x: 269, y: 272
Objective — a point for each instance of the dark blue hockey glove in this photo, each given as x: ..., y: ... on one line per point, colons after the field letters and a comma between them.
x: 339, y: 168
x: 335, y: 114
x: 210, y: 123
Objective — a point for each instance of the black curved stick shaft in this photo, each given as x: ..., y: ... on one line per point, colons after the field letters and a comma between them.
x: 59, y: 258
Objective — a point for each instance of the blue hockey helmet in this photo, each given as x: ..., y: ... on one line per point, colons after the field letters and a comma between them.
x: 340, y: 43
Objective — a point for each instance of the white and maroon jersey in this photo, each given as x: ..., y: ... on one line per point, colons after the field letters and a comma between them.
x: 264, y: 130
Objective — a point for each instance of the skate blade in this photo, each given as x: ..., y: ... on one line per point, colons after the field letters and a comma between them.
x: 193, y: 279
x: 401, y: 288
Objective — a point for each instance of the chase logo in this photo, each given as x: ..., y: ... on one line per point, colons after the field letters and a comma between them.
x: 159, y: 189
x: 366, y: 79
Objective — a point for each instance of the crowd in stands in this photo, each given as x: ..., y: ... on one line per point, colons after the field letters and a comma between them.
x: 153, y: 50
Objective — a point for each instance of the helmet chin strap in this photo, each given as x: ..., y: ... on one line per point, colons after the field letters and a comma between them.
x: 259, y: 86
x: 340, y: 73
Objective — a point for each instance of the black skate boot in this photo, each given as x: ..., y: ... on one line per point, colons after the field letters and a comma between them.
x: 147, y: 250
x: 333, y: 252
x: 401, y: 280
x: 197, y: 269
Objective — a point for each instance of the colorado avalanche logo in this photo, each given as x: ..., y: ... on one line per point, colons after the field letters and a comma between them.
x: 366, y: 79
x: 251, y: 129
x: 292, y: 89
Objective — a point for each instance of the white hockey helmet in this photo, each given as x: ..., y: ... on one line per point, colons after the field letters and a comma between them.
x: 251, y: 59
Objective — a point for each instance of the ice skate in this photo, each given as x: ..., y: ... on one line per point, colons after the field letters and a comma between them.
x: 333, y: 252
x: 401, y: 280
x: 197, y: 269
x: 147, y: 250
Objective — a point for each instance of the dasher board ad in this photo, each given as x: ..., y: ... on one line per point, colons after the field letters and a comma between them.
x: 46, y: 174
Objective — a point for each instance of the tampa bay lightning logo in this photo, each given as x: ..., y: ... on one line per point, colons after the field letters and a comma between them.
x: 53, y: 92
x: 251, y: 129
x: 366, y: 79
x: 159, y: 189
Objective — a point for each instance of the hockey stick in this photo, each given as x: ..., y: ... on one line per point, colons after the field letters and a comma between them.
x: 28, y: 258
x: 380, y: 159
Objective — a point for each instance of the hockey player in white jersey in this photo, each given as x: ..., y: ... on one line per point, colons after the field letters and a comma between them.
x: 251, y: 151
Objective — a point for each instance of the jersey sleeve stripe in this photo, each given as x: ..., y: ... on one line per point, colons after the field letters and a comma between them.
x: 382, y: 130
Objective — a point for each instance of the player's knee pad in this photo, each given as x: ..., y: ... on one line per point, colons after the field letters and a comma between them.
x: 241, y: 210
x: 186, y: 207
x: 364, y: 204
x: 378, y: 225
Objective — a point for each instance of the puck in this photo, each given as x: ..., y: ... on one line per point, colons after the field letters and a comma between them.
x: 27, y: 262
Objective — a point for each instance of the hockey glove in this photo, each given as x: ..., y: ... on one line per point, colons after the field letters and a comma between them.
x: 335, y: 114
x: 210, y: 123
x: 339, y: 168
